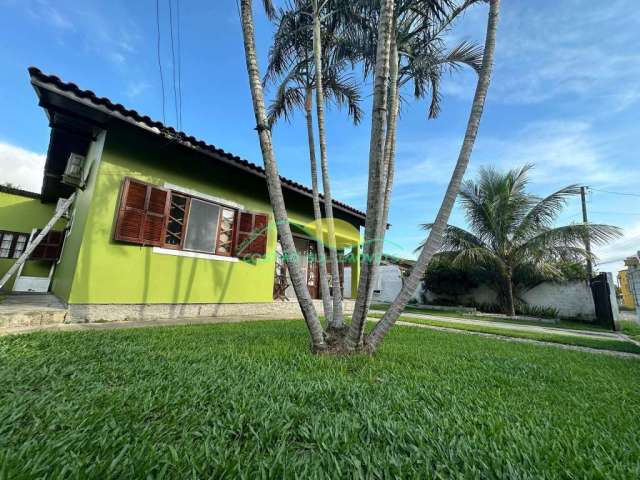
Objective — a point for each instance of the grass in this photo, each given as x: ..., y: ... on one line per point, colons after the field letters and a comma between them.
x: 591, y: 342
x: 631, y: 328
x: 249, y: 401
x: 565, y: 324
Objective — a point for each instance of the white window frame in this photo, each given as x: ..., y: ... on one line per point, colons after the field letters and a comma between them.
x: 221, y: 202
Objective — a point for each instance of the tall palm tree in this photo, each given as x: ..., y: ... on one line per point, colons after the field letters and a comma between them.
x: 418, y: 56
x: 292, y: 61
x: 274, y: 186
x: 512, y: 231
x: 434, y: 240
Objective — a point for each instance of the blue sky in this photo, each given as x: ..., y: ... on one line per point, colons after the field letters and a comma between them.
x: 565, y: 95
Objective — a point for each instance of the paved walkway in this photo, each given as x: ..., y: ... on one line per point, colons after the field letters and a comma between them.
x: 513, y: 326
x: 74, y: 327
x: 496, y: 336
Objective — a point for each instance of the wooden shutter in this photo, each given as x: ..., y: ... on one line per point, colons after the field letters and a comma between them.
x: 50, y: 247
x: 143, y: 213
x: 251, y: 234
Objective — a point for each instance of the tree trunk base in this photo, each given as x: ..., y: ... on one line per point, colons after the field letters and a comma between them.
x: 338, y: 344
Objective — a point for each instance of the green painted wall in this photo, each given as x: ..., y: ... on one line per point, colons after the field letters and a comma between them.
x: 95, y: 269
x: 65, y: 271
x: 111, y: 272
x: 22, y: 214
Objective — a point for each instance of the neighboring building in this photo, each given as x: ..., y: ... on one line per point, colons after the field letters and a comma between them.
x: 633, y: 280
x: 21, y: 214
x: 628, y: 299
x: 163, y: 224
x: 390, y: 279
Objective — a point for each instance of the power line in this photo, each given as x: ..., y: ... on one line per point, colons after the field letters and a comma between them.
x: 173, y: 62
x: 614, y: 213
x: 615, y: 193
x: 179, y: 62
x: 159, y: 59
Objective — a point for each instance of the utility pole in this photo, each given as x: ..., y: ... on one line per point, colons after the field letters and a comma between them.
x: 585, y: 221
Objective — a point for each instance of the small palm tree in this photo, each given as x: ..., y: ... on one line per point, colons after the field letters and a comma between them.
x: 512, y: 231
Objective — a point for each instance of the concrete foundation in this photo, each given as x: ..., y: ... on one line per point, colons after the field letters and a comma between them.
x: 31, y: 310
x: 120, y: 312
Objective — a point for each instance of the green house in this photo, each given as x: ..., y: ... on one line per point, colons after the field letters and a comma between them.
x: 163, y: 224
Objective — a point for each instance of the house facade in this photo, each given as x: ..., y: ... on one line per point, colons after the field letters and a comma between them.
x: 164, y: 224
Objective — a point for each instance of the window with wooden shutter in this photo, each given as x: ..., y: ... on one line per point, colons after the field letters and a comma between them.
x: 177, y: 221
x: 251, y: 234
x: 49, y: 247
x: 224, y: 242
x: 143, y: 213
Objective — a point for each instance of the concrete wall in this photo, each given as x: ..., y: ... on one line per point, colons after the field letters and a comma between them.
x: 388, y: 284
x: 571, y: 299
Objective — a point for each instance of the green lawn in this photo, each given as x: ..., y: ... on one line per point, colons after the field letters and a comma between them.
x: 591, y: 342
x: 249, y: 401
x: 631, y: 328
x: 566, y: 324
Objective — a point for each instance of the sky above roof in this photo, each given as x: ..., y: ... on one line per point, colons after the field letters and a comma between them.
x: 564, y: 96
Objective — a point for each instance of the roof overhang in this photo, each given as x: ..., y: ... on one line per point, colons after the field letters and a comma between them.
x: 76, y: 115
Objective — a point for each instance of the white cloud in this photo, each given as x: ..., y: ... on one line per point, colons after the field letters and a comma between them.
x: 45, y: 12
x: 111, y: 33
x: 135, y: 89
x: 21, y: 167
x: 581, y: 51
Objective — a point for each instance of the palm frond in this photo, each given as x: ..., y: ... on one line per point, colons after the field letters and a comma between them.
x: 545, y: 212
x: 455, y: 239
x: 476, y: 257
x: 344, y: 91
x: 289, y: 97
x: 558, y: 240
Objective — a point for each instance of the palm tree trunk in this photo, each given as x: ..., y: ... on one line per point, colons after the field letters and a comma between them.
x: 390, y: 142
x: 273, y: 181
x: 434, y: 240
x: 388, y: 169
x: 338, y: 317
x: 511, y: 309
x: 376, y: 160
x: 322, y: 259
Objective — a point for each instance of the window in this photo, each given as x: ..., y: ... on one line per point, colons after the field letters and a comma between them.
x: 202, y: 227
x: 150, y: 215
x: 49, y: 247
x: 20, y: 245
x: 176, y: 223
x: 5, y: 245
x: 12, y: 244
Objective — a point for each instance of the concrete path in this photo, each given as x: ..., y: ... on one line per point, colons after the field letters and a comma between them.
x: 495, y: 336
x: 31, y: 310
x: 74, y: 327
x: 513, y: 326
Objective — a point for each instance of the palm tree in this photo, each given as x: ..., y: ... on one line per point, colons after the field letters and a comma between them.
x: 273, y: 179
x: 512, y: 232
x: 434, y: 240
x: 418, y: 56
x: 292, y: 60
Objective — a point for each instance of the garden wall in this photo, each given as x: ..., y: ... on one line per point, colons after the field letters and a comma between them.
x: 572, y: 299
